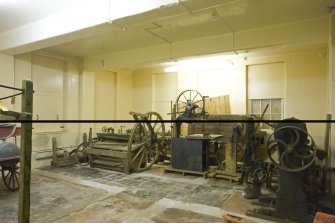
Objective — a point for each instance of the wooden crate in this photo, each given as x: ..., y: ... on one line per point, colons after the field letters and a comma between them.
x: 110, y: 155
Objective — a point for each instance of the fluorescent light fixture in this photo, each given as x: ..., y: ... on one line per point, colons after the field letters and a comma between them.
x: 206, y: 63
x: 171, y: 69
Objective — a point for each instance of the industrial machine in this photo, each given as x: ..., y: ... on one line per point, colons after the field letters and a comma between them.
x: 293, y: 151
x: 190, y: 153
x: 215, y: 145
x: 133, y: 152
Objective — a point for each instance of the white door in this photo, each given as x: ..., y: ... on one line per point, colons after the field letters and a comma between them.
x: 48, y: 79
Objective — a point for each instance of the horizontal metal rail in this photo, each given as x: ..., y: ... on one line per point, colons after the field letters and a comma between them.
x: 10, y: 96
x: 9, y: 87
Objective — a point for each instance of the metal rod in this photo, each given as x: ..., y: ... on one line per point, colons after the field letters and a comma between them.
x: 9, y: 87
x: 11, y: 96
x: 258, y: 124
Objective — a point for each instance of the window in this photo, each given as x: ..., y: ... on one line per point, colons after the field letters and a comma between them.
x: 275, y: 110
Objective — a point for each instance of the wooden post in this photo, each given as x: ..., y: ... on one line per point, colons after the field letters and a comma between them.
x: 25, y: 154
x: 231, y: 152
x: 54, y: 149
x: 326, y: 184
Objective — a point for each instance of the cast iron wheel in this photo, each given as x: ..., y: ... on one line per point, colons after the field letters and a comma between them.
x: 260, y: 175
x: 10, y: 176
x: 82, y: 157
x: 296, y: 153
x: 146, y: 142
x: 189, y: 99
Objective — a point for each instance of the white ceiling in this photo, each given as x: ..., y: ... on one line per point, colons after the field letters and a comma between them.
x: 194, y: 19
x: 16, y: 13
x: 187, y: 20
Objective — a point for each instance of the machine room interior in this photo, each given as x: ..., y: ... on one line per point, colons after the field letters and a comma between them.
x: 227, y: 96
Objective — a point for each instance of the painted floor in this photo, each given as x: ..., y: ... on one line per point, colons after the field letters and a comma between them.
x: 83, y: 194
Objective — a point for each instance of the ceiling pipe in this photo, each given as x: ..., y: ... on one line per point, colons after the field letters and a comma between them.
x: 217, y: 16
x: 157, y: 26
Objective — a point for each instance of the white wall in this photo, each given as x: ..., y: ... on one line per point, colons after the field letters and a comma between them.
x: 15, y: 69
x: 143, y: 90
x: 7, y: 78
x: 124, y: 97
x: 104, y: 98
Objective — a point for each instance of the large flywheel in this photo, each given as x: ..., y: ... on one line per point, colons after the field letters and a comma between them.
x: 295, y: 148
x: 146, y: 140
x: 189, y: 101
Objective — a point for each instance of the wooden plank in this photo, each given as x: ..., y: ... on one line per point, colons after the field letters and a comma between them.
x: 222, y: 106
x: 26, y: 144
x: 184, y: 129
x: 230, y: 158
x: 110, y: 153
x: 185, y: 172
x: 214, y: 172
x: 110, y: 147
x: 227, y: 105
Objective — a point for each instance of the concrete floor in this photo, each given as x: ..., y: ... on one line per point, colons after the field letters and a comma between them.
x: 83, y: 194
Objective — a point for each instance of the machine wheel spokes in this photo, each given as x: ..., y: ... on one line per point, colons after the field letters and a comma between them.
x: 272, y: 148
x: 296, y: 153
x: 156, y: 128
x: 10, y: 176
x: 189, y: 99
x: 260, y: 175
x: 81, y: 155
x: 142, y: 154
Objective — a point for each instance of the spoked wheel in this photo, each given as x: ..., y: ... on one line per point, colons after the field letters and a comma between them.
x: 260, y: 175
x: 189, y: 100
x: 297, y: 150
x: 81, y: 155
x: 146, y: 142
x: 10, y: 176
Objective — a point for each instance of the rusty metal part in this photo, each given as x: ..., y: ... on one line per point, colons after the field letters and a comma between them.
x: 296, y: 148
